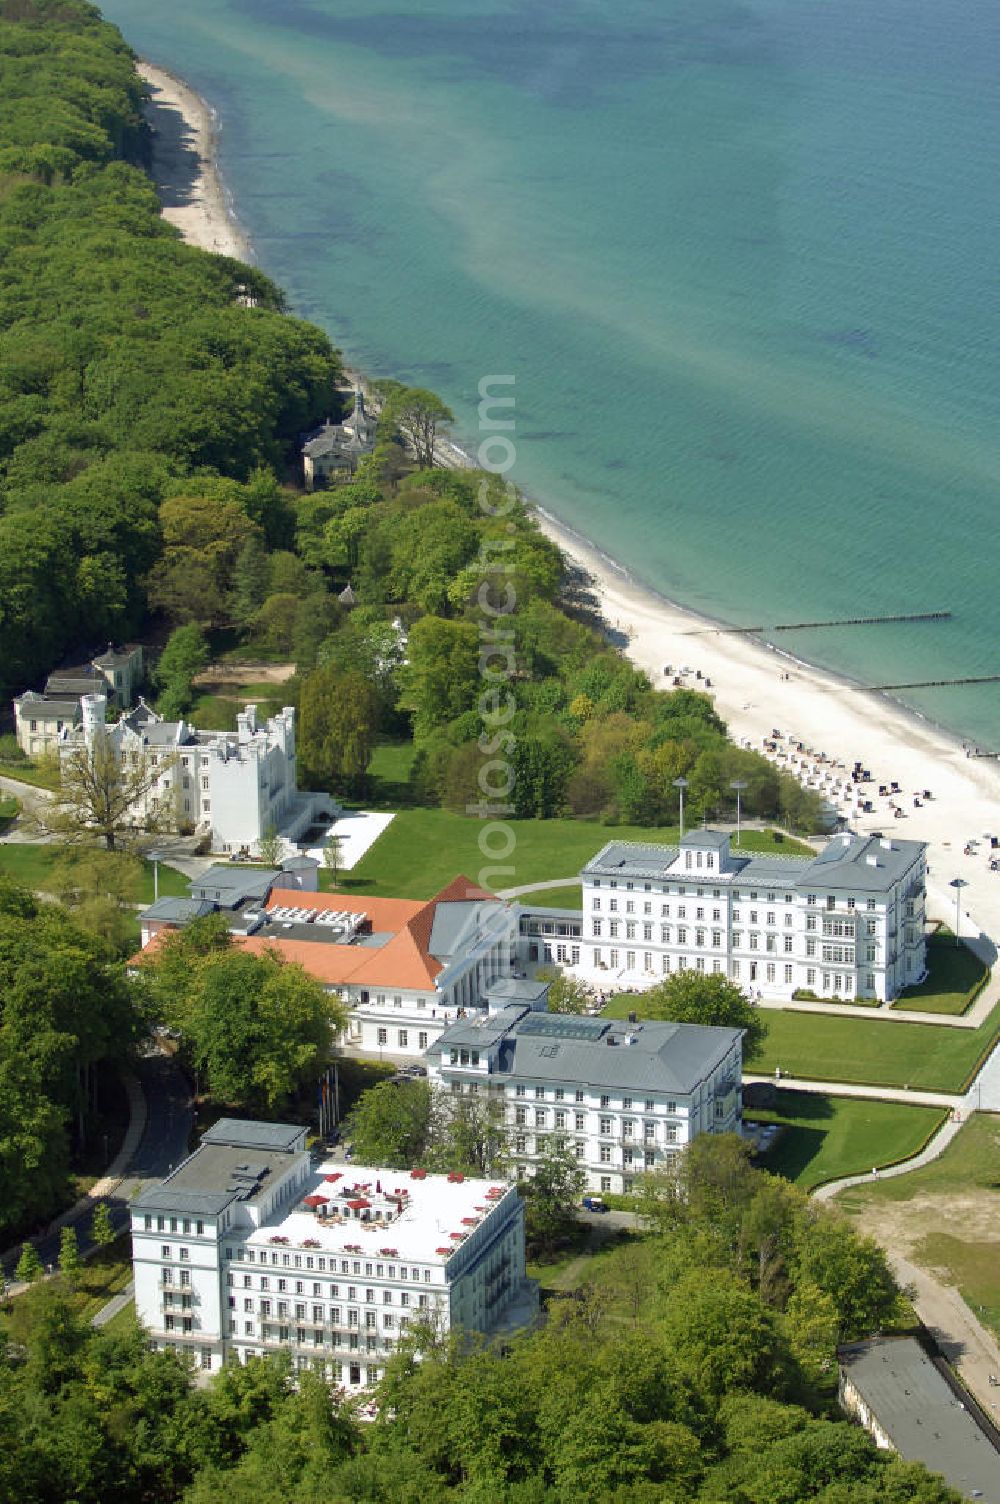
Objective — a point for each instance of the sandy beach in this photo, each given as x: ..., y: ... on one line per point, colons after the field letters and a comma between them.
x: 756, y: 690
x: 187, y: 179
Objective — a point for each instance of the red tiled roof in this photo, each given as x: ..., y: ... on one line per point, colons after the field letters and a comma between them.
x: 403, y: 961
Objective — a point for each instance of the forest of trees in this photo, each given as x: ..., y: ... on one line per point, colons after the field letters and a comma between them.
x: 705, y: 1372
x: 65, y: 1016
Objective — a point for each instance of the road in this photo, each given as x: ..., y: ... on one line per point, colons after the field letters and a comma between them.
x: 164, y: 1142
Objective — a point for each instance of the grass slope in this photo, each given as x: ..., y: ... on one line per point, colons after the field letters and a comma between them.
x: 927, y: 1057
x: 955, y: 975
x: 32, y: 865
x: 825, y: 1137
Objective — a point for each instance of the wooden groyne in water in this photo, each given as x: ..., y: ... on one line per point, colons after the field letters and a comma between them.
x: 843, y: 621
x: 931, y: 683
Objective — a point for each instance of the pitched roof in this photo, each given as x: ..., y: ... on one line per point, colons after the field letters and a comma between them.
x: 403, y: 955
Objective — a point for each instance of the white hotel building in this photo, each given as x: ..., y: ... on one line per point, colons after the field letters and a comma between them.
x: 235, y: 787
x: 625, y: 1097
x: 246, y: 1249
x: 846, y: 923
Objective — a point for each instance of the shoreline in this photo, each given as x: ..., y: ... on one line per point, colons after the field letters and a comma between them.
x: 757, y: 688
x: 193, y: 196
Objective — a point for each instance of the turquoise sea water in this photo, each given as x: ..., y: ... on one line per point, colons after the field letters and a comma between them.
x: 741, y: 256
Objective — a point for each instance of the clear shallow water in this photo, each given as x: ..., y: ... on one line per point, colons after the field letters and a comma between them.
x: 741, y: 256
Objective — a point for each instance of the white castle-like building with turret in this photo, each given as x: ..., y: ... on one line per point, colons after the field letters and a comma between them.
x: 235, y: 787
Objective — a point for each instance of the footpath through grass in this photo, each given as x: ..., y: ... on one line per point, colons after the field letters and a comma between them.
x: 569, y: 896
x: 423, y: 849
x: 825, y: 1137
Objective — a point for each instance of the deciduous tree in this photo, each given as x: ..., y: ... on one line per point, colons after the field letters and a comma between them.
x: 695, y: 997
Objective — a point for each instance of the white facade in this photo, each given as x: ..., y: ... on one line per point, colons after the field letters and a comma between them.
x: 246, y: 1249
x: 625, y: 1097
x: 847, y: 923
x: 235, y: 787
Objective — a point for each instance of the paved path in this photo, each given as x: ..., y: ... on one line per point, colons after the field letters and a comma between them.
x: 552, y: 882
x: 115, y: 1304
x: 951, y: 1100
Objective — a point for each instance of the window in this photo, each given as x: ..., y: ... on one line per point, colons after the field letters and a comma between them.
x: 787, y: 944
x: 403, y: 1039
x: 605, y: 1126
x: 539, y: 1117
x: 165, y: 1251
x: 605, y: 1182
x: 539, y: 1093
x: 383, y: 1038
x: 788, y: 974
x: 578, y: 1096
x: 579, y: 1121
x: 605, y: 1154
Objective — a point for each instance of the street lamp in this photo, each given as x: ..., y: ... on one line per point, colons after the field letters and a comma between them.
x: 739, y: 784
x: 680, y: 784
x: 155, y: 857
x: 958, y: 883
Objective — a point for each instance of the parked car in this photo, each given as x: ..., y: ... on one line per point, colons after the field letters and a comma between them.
x: 594, y: 1204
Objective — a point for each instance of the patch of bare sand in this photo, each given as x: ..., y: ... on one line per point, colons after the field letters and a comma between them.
x: 902, y: 1226
x: 221, y: 675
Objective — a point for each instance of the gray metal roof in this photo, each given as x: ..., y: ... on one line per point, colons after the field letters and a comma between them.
x: 114, y: 657
x: 49, y: 708
x: 866, y: 864
x: 178, y: 910
x: 481, y: 1030
x: 704, y: 840
x: 456, y: 922
x: 517, y: 990
x: 642, y: 858
x: 596, y: 1052
x: 869, y: 863
x: 923, y: 1418
x: 230, y: 886
x: 247, y: 1134
x: 299, y: 864
x: 235, y: 1161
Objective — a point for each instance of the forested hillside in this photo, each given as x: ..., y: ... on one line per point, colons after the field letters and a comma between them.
x: 130, y: 368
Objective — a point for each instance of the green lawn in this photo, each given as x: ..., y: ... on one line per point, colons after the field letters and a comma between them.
x: 423, y: 849
x: 568, y: 897
x: 955, y: 976
x: 826, y: 1137
x: 971, y: 1163
x: 40, y: 775
x: 9, y: 808
x: 124, y: 1321
x: 32, y: 864
x: 931, y: 1057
